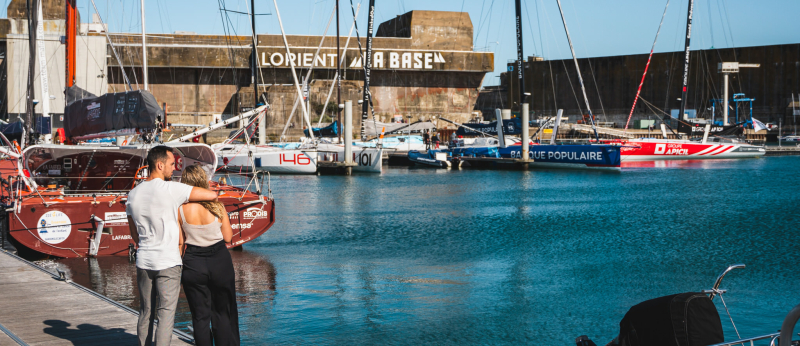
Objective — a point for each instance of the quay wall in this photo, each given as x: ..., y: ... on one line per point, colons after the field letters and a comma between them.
x: 611, y: 83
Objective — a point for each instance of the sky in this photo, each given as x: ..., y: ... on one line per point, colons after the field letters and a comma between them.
x: 598, y: 27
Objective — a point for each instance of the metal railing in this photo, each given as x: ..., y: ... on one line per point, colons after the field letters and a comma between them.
x: 749, y: 340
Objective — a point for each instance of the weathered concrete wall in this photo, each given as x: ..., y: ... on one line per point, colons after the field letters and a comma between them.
x: 431, y: 29
x: 611, y: 83
x: 434, y: 72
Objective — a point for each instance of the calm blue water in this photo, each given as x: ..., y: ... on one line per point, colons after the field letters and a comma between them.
x: 423, y: 256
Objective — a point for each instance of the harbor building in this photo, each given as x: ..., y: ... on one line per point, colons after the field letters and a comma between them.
x: 424, y: 66
x: 611, y: 84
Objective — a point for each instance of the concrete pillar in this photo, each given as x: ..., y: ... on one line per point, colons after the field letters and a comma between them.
x: 525, y: 130
x: 348, y: 132
x: 724, y: 99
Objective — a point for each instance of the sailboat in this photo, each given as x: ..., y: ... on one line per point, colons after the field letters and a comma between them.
x: 710, y: 146
x: 69, y: 200
x: 303, y: 157
x: 591, y: 156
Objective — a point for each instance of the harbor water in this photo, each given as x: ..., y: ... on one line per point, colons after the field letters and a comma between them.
x: 426, y: 256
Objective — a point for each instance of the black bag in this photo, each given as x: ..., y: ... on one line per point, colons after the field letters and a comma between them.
x: 686, y: 319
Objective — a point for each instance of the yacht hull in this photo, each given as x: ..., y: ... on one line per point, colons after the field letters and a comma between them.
x: 594, y: 157
x: 653, y: 150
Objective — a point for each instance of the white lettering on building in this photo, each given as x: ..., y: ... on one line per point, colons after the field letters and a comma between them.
x: 396, y: 60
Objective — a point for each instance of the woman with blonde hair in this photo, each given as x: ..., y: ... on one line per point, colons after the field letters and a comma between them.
x: 208, y: 278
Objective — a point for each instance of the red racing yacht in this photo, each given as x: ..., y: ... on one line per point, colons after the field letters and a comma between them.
x: 650, y: 149
x: 713, y: 145
x: 69, y: 200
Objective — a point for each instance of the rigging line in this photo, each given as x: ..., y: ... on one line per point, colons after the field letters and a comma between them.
x: 336, y: 75
x: 530, y: 28
x: 455, y: 37
x: 480, y: 20
x: 722, y: 22
x: 539, y: 25
x: 294, y: 73
x: 228, y: 40
x: 245, y: 13
x: 308, y: 74
x: 121, y: 66
x: 591, y: 69
x: 728, y: 20
x: 563, y: 63
x: 577, y: 69
x: 488, y: 18
x: 711, y: 23
x: 652, y: 48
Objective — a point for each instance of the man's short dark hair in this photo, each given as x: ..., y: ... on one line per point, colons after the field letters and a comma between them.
x: 157, y: 154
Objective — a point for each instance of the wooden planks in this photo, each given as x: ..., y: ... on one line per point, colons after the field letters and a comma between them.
x: 41, y: 310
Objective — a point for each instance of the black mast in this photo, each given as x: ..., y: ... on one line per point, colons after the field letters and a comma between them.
x: 338, y: 77
x: 30, y: 111
x: 682, y: 127
x: 367, y: 66
x: 520, y: 58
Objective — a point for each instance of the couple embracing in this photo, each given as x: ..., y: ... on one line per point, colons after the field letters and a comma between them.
x: 181, y: 231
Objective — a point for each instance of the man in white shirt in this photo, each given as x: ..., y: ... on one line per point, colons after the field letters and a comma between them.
x: 152, y: 210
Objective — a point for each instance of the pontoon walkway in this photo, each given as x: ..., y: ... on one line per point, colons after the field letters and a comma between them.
x: 39, y: 308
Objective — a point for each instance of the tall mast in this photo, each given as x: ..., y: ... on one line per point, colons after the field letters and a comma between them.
x: 29, y: 106
x: 42, y: 54
x: 686, y: 68
x: 367, y: 66
x: 70, y: 49
x: 578, y: 70
x: 520, y: 58
x: 254, y: 60
x: 338, y: 78
x: 144, y: 50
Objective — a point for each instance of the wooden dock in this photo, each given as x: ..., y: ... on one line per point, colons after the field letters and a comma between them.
x: 783, y: 151
x: 38, y: 307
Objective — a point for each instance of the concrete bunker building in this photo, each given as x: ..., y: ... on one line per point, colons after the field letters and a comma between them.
x: 424, y: 65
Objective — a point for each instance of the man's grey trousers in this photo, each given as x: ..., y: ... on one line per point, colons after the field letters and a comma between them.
x: 158, y: 293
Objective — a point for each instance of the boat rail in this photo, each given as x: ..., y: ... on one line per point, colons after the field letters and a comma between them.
x: 773, y: 336
x: 787, y: 328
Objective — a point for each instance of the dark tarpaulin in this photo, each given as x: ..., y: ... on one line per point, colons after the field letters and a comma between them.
x: 13, y: 131
x: 75, y: 93
x: 511, y: 126
x: 686, y: 319
x: 331, y: 130
x: 113, y: 111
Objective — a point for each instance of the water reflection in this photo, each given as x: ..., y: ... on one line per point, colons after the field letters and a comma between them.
x: 115, y: 277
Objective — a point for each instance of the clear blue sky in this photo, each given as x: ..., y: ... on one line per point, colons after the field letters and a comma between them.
x: 598, y: 27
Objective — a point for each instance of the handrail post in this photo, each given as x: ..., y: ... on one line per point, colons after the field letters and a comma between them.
x: 787, y: 328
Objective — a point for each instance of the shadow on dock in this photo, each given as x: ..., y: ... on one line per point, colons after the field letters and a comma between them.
x: 81, y: 333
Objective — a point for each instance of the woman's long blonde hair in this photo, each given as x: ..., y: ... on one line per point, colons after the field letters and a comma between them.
x: 195, y: 176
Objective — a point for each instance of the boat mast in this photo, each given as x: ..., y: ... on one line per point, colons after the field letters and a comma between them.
x: 644, y: 74
x: 578, y: 70
x: 367, y: 66
x: 29, y: 106
x: 42, y: 54
x: 254, y: 60
x: 338, y: 80
x: 520, y: 58
x: 144, y: 49
x: 682, y: 128
x: 71, y: 37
